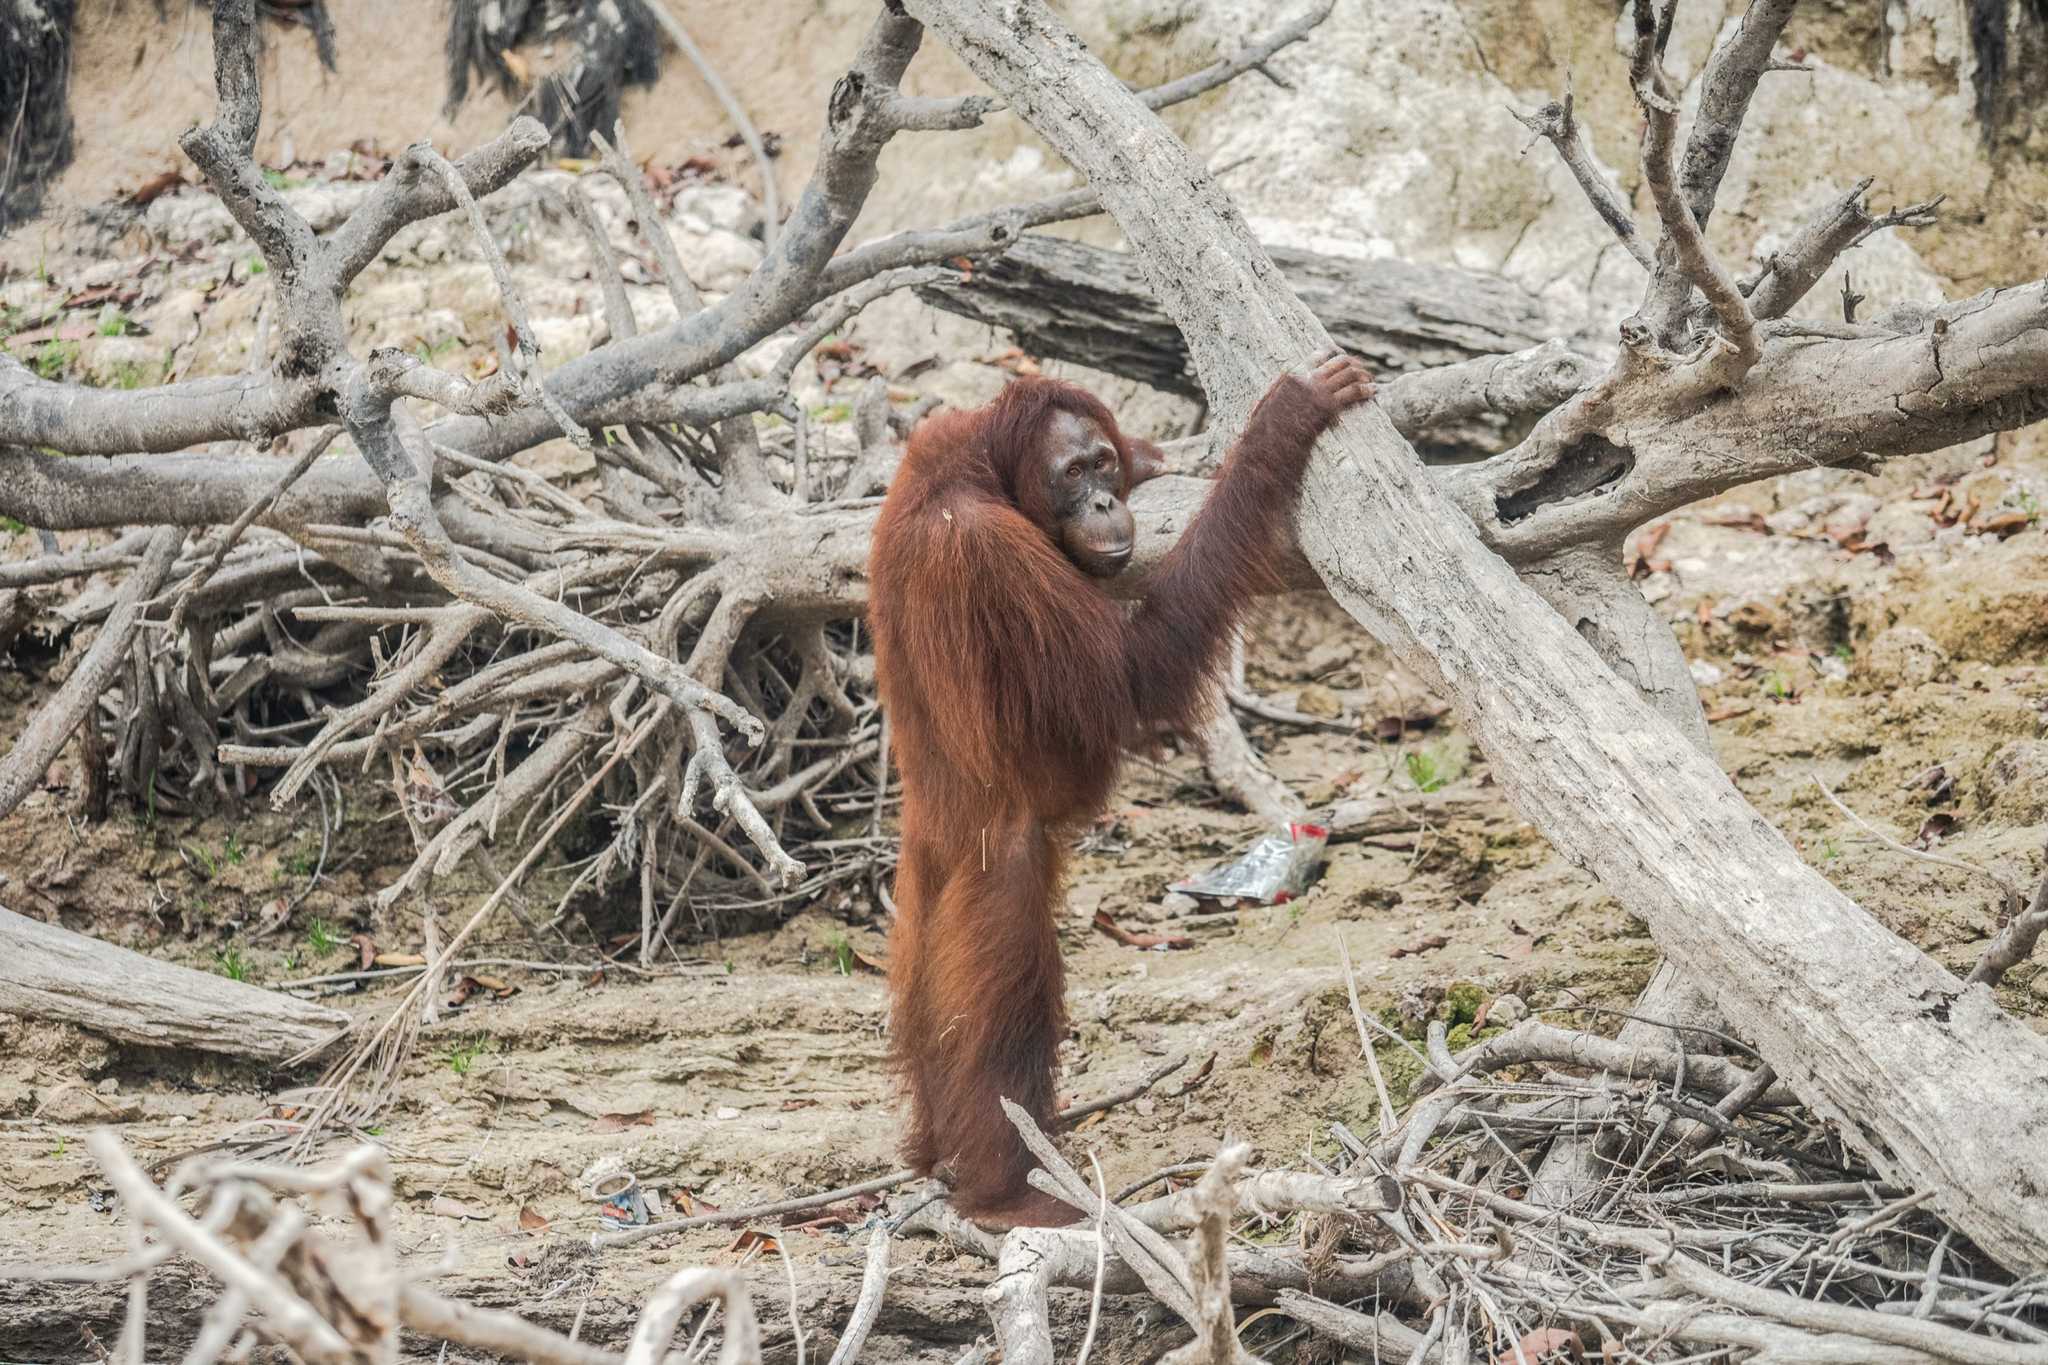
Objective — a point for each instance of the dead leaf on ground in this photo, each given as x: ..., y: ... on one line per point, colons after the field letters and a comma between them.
x: 691, y: 1204
x: 444, y: 1207
x: 849, y: 1214
x: 1201, y: 1076
x: 1934, y: 829
x: 1150, y: 942
x: 367, y: 948
x: 1427, y: 943
x: 1641, y: 563
x: 154, y: 188
x: 1936, y: 782
x: 1521, y: 943
x: 2003, y: 525
x: 531, y: 1219
x: 399, y: 960
x: 619, y: 1123
x: 1412, y: 721
x: 752, y: 1240
x: 106, y: 293
x: 1746, y: 519
x: 76, y: 329
x: 1729, y: 712
x: 272, y: 917
x: 480, y: 985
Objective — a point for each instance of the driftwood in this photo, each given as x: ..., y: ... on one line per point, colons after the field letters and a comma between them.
x: 1870, y: 1031
x: 51, y: 973
x: 1093, y: 306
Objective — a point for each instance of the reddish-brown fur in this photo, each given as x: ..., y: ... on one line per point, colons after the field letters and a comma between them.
x: 1013, y: 681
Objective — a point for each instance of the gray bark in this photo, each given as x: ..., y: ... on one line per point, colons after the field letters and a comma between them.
x: 1934, y: 1084
x: 51, y: 973
x: 1093, y: 306
x: 21, y: 771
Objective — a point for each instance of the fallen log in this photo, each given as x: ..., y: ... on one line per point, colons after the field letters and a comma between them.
x: 1092, y: 306
x: 51, y: 973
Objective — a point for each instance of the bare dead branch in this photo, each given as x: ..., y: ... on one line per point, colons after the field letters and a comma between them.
x: 1556, y: 124
x: 1214, y: 1200
x: 2015, y: 942
x: 21, y: 771
x: 1789, y: 274
x: 1725, y: 90
x: 1690, y: 255
x: 740, y: 1343
x: 285, y: 1313
x: 408, y: 193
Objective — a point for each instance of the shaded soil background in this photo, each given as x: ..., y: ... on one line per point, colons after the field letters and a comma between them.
x: 1909, y: 673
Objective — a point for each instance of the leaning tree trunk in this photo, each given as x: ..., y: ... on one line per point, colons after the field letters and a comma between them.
x: 1589, y: 588
x: 1868, y: 1030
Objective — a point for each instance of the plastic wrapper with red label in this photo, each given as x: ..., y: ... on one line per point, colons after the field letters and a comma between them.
x: 1275, y: 870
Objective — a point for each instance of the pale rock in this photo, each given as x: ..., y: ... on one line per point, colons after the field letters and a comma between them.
x: 2015, y: 783
x: 1900, y: 525
x: 1507, y: 1009
x: 1316, y: 700
x: 726, y: 208
x: 76, y: 1105
x: 1904, y: 656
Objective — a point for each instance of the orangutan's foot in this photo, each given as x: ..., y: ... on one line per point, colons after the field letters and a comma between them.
x: 1032, y: 1209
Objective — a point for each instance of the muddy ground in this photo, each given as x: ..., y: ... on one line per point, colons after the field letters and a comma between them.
x: 1885, y: 634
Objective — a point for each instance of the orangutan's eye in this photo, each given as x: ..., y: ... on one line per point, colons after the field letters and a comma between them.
x: 1074, y: 470
x: 1101, y: 463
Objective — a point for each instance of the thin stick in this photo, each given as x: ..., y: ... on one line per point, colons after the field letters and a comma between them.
x: 2006, y: 888
x: 21, y: 771
x: 1101, y: 1262
x: 727, y: 1217
x: 796, y: 1325
x: 1068, y: 1117
x: 1372, y: 1062
x: 488, y: 1329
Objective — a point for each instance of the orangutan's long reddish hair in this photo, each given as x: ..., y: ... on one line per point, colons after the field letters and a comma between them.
x: 1013, y: 681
